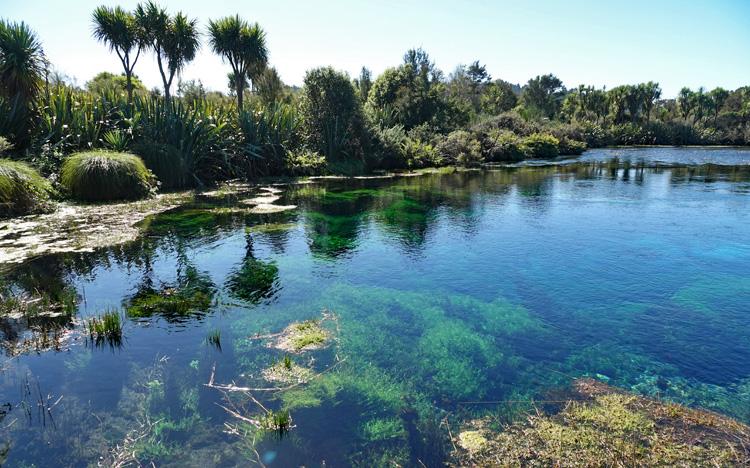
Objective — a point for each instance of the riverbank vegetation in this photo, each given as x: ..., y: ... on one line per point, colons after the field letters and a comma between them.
x: 412, y: 115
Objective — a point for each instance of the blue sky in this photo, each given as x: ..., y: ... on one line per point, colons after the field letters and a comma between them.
x: 677, y: 43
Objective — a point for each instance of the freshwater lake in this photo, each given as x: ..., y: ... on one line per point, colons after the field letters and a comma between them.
x: 443, y: 296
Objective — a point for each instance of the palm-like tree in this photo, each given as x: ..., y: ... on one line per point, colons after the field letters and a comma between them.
x: 241, y: 44
x: 121, y: 32
x: 22, y: 62
x: 174, y: 40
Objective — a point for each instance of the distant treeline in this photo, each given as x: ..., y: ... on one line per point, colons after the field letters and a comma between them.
x: 412, y: 115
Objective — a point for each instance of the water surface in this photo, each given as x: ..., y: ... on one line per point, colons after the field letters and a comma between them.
x: 447, y: 295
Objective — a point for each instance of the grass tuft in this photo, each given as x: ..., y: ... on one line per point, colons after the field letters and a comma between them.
x: 22, y: 190
x: 106, y: 329
x: 105, y: 175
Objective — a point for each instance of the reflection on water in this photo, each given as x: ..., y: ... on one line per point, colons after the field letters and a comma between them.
x: 449, y: 291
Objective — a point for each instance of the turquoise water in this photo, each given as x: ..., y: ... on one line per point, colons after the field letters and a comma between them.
x: 444, y: 296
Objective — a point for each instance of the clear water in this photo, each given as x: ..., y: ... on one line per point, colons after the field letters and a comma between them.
x: 454, y: 294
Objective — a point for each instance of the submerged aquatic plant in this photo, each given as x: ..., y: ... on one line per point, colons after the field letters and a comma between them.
x: 214, y: 339
x: 604, y: 426
x: 254, y: 281
x: 192, y: 292
x: 22, y: 189
x: 105, y: 176
x: 106, y: 328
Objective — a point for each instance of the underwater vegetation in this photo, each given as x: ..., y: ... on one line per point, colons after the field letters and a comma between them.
x: 105, y: 176
x: 214, y: 339
x: 287, y: 372
x: 300, y: 336
x: 603, y: 426
x: 192, y: 293
x: 254, y: 280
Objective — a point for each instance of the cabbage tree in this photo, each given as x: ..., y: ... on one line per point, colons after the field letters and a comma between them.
x: 174, y: 40
x: 119, y: 30
x: 241, y: 44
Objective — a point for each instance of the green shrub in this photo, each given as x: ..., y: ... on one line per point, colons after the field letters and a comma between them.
x: 502, y: 146
x: 571, y: 147
x: 22, y: 189
x: 268, y: 133
x: 541, y: 145
x: 185, y: 146
x: 460, y: 147
x: 419, y: 154
x: 104, y: 175
x: 388, y: 152
x: 305, y: 163
x: 332, y: 119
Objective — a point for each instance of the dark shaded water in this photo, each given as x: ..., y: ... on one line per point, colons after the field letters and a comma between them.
x: 452, y: 294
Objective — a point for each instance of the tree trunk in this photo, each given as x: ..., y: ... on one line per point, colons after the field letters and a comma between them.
x: 240, y: 92
x: 163, y: 77
x: 129, y: 85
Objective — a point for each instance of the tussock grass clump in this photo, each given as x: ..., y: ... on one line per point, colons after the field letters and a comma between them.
x: 604, y: 426
x: 106, y: 328
x: 22, y: 190
x: 276, y: 421
x: 105, y: 175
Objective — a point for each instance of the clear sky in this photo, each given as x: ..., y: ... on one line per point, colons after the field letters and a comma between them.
x: 677, y: 43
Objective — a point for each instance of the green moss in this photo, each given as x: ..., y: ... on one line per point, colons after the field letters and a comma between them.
x: 307, y: 334
x: 105, y: 176
x: 22, y: 190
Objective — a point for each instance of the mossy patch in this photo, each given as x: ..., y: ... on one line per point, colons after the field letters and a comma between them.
x: 604, y: 426
x: 302, y: 336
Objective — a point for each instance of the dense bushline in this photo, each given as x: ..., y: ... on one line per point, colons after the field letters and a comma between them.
x: 412, y: 115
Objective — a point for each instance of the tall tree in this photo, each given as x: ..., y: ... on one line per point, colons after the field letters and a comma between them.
x: 22, y: 68
x: 22, y: 61
x: 363, y: 84
x: 718, y: 96
x: 686, y: 102
x: 498, y: 97
x: 650, y: 92
x: 241, y: 44
x: 544, y: 95
x: 174, y: 40
x: 119, y: 30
